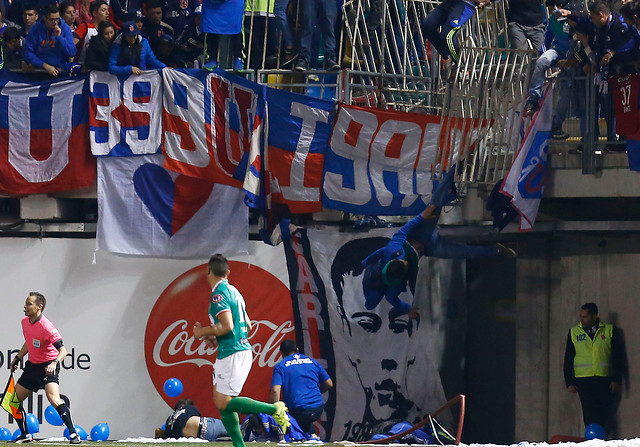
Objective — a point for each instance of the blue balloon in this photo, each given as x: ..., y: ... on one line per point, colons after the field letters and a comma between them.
x: 15, y: 434
x: 594, y: 431
x: 33, y: 425
x: 173, y: 387
x: 52, y: 416
x: 100, y: 432
x: 5, y: 434
x: 81, y: 432
x: 164, y: 426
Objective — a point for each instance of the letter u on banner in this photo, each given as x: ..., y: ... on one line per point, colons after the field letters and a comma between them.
x: 24, y: 141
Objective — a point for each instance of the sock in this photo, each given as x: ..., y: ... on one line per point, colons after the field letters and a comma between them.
x: 22, y: 423
x: 232, y: 424
x: 247, y: 405
x: 65, y: 414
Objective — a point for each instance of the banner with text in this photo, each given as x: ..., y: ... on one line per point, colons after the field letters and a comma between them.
x: 380, y: 162
x: 209, y: 120
x: 44, y: 145
x: 127, y: 325
x: 125, y: 113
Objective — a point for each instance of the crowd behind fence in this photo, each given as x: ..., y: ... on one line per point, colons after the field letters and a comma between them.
x: 372, y: 53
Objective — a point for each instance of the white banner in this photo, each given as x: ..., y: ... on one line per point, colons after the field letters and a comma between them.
x: 386, y: 368
x: 145, y: 209
x: 527, y: 175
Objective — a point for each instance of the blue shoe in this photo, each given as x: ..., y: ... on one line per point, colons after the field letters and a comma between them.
x: 444, y: 191
x: 211, y: 65
x: 238, y: 65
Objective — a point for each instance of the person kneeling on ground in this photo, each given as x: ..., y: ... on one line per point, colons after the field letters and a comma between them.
x: 186, y: 422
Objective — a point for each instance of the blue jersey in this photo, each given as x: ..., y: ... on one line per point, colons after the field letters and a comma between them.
x: 179, y: 14
x: 300, y: 377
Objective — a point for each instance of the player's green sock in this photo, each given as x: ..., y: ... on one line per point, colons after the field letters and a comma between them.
x: 232, y: 424
x: 247, y: 405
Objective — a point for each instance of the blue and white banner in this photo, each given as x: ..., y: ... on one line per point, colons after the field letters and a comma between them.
x: 380, y: 162
x: 126, y: 113
x: 528, y: 173
x: 146, y: 210
x: 299, y: 129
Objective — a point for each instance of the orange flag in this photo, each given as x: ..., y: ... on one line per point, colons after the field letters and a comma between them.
x: 10, y: 400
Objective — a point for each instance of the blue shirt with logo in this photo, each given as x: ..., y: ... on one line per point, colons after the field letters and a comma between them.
x: 300, y: 376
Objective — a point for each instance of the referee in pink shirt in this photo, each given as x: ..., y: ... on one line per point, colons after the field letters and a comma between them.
x: 44, y: 345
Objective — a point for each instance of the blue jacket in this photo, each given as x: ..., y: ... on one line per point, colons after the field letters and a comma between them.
x: 616, y: 36
x: 372, y: 284
x: 42, y: 46
x: 557, y: 35
x: 148, y: 60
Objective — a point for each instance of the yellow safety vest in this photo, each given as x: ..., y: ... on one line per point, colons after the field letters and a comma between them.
x: 593, y: 357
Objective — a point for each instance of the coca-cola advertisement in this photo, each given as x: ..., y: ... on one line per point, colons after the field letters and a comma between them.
x: 171, y: 350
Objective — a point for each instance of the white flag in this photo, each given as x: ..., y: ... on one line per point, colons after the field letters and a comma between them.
x: 145, y: 209
x: 528, y: 173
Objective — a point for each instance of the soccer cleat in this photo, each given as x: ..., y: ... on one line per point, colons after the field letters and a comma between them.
x: 211, y: 65
x: 238, y: 65
x: 281, y: 417
x: 74, y: 439
x: 24, y: 438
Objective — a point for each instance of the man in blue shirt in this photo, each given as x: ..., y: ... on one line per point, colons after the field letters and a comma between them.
x: 301, y: 381
x: 49, y: 44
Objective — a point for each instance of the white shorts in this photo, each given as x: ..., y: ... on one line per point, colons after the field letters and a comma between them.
x: 230, y: 373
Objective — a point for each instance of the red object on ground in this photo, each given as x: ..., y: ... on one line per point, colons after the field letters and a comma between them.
x: 557, y: 439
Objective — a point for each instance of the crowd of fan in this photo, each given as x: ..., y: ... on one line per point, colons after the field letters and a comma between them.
x: 128, y: 36
x: 593, y: 43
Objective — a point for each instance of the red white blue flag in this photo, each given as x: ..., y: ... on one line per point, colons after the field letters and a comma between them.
x: 380, y: 162
x: 126, y: 113
x: 209, y: 120
x: 525, y: 181
x: 44, y: 144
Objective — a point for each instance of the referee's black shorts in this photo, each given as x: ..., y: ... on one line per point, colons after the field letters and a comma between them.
x: 34, y: 376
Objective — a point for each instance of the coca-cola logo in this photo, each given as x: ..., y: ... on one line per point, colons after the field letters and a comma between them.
x: 172, y: 351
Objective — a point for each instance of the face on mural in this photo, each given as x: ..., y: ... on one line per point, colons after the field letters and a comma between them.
x: 382, y: 347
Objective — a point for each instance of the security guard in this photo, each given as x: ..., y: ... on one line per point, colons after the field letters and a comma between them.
x: 593, y: 364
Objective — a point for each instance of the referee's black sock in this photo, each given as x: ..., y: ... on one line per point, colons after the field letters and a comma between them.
x: 22, y: 422
x: 65, y: 414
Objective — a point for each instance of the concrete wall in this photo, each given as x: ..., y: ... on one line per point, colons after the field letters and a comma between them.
x: 556, y: 275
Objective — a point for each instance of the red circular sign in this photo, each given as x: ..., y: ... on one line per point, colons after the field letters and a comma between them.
x: 171, y: 350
